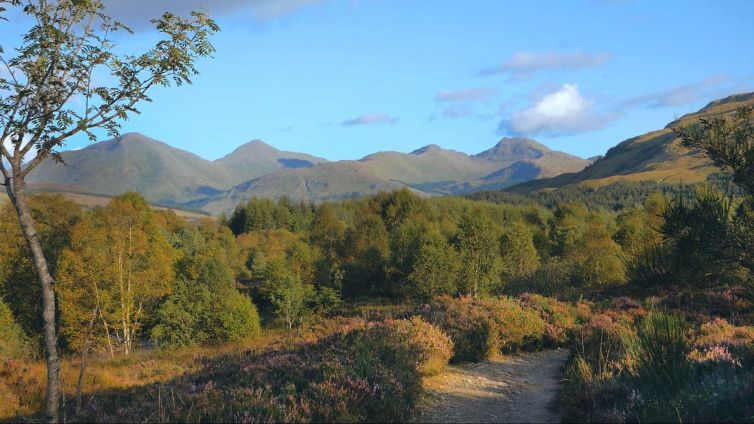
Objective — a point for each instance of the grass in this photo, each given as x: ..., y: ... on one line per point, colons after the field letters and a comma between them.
x: 22, y: 381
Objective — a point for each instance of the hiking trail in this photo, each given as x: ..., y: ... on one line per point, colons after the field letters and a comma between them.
x: 516, y: 388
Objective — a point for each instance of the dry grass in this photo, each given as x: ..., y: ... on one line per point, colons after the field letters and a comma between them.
x: 22, y: 383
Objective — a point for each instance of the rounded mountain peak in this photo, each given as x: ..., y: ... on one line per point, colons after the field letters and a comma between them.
x: 427, y: 149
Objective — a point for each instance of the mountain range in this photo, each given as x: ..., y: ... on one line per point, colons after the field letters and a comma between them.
x: 170, y: 176
x: 173, y: 177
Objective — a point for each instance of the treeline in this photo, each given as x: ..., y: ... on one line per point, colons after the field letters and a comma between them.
x: 616, y: 196
x: 125, y: 274
x: 128, y: 275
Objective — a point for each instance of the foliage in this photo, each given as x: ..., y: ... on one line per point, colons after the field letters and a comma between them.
x: 369, y: 373
x: 478, y: 249
x: 661, y: 351
x: 561, y: 319
x: 119, y: 263
x: 196, y: 315
x: 474, y: 334
x: 55, y: 217
x: 436, y: 268
x: 13, y: 342
x: 434, y: 348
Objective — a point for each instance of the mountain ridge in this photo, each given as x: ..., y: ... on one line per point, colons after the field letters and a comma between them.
x: 168, y: 175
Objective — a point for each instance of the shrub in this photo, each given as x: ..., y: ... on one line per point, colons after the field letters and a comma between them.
x: 560, y: 318
x: 474, y: 333
x: 602, y: 342
x: 519, y: 327
x: 721, y: 332
x: 195, y: 315
x: 432, y: 347
x: 718, y: 336
x: 13, y: 340
x: 370, y: 373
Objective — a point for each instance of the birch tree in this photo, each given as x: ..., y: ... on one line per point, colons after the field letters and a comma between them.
x: 119, y: 263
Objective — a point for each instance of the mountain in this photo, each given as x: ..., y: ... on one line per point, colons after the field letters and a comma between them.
x: 326, y: 181
x: 257, y: 158
x: 428, y: 170
x: 133, y: 162
x: 654, y: 156
x: 170, y: 176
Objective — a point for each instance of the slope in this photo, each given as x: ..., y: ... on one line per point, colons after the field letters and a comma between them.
x: 654, y: 156
x: 133, y: 162
x: 256, y: 158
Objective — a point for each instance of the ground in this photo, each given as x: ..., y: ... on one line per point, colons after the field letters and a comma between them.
x: 519, y: 388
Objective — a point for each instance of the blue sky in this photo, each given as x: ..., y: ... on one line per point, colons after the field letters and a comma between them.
x: 342, y: 79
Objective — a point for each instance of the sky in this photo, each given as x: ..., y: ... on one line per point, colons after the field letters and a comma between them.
x: 342, y: 79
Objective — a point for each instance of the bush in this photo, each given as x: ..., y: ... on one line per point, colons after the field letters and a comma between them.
x: 560, y: 318
x: 195, y: 315
x: 474, y: 333
x: 602, y: 342
x: 13, y: 340
x: 519, y: 327
x: 432, y: 347
x: 370, y: 373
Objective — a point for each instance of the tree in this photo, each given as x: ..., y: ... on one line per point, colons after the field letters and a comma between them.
x: 52, y: 90
x: 289, y: 296
x: 435, y: 269
x: 55, y: 217
x: 366, y: 253
x: 729, y: 142
x: 478, y: 248
x: 518, y: 255
x: 120, y: 263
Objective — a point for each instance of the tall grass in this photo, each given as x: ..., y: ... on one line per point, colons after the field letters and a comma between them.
x: 661, y: 351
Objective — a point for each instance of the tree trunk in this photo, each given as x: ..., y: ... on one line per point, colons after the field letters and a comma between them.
x: 82, y: 369
x: 17, y: 195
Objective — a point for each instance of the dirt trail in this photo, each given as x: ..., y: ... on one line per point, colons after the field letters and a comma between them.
x: 520, y: 388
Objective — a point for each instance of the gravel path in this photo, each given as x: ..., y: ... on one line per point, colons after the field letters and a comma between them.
x: 517, y: 389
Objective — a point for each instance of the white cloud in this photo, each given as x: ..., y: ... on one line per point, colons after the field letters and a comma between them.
x: 466, y: 95
x: 525, y: 63
x: 369, y: 119
x: 562, y: 112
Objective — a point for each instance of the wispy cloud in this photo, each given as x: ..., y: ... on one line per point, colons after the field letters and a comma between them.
x: 369, y: 119
x: 562, y: 112
x: 137, y: 13
x: 460, y: 103
x: 712, y: 87
x: 466, y: 95
x: 525, y: 63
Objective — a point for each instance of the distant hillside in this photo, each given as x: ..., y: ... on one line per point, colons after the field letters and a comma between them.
x: 133, y: 162
x: 327, y: 181
x: 429, y: 170
x: 257, y: 158
x: 654, y: 156
x: 171, y: 176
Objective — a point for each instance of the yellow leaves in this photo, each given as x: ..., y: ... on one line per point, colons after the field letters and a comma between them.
x: 118, y: 260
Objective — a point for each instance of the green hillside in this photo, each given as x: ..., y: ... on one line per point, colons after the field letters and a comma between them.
x: 133, y: 162
x: 170, y: 176
x: 654, y: 156
x: 256, y: 158
x: 429, y: 170
x: 327, y: 181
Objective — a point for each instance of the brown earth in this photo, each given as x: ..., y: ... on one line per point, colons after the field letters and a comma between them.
x: 516, y: 389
